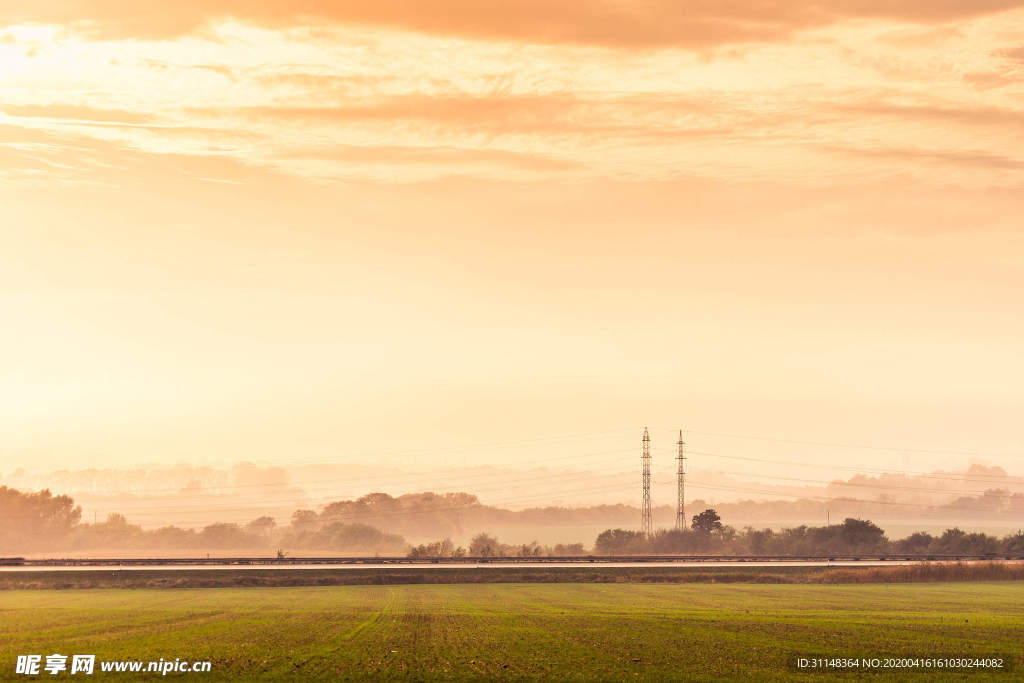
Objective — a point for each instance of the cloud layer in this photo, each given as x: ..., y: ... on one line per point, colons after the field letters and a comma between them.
x: 468, y: 90
x: 639, y: 23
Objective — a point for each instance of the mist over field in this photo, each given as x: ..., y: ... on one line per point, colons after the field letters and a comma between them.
x: 185, y: 510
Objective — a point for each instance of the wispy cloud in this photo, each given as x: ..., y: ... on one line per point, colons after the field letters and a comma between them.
x: 75, y: 113
x: 969, y: 158
x: 1014, y: 53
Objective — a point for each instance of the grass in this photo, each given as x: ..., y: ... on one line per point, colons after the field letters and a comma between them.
x: 567, y: 631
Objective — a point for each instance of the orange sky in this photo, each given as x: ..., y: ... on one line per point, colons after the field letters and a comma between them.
x: 343, y: 230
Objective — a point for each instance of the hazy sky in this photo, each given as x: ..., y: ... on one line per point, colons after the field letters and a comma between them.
x: 422, y: 232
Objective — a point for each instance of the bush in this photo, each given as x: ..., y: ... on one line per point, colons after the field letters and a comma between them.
x: 620, y: 542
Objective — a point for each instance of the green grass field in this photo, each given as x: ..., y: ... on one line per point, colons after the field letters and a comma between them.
x: 585, y: 631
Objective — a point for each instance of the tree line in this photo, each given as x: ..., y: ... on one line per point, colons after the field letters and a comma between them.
x: 42, y: 522
x: 707, y: 535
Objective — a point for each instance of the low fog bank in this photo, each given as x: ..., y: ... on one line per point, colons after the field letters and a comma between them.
x: 194, y: 497
x: 380, y: 524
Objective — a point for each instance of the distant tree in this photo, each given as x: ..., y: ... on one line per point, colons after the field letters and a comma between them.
x: 530, y: 550
x: 484, y: 545
x: 569, y: 549
x: 224, y: 535
x: 415, y: 514
x: 358, y: 538
x: 675, y: 541
x: 115, y: 532
x: 172, y: 537
x: 620, y: 542
x: 861, y: 534
x: 305, y: 520
x: 957, y: 541
x: 706, y: 522
x: 800, y: 540
x: 1014, y: 543
x: 116, y: 520
x: 378, y: 502
x: 758, y: 541
x: 919, y: 542
x: 35, y: 520
x: 262, y: 526
x: 443, y: 548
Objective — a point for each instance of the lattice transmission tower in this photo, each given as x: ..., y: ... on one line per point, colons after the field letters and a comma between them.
x: 680, y: 485
x: 646, y: 523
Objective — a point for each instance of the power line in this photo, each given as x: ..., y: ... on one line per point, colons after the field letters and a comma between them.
x: 380, y: 477
x: 187, y: 505
x: 430, y: 478
x: 487, y: 475
x: 499, y: 479
x: 857, y: 470
x: 589, y: 477
x: 496, y: 444
x: 987, y: 492
x: 369, y: 516
x: 827, y: 444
